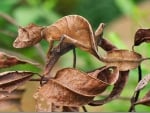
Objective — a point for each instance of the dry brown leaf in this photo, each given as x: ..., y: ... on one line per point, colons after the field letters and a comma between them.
x: 78, y: 89
x: 141, y: 35
x: 11, y: 99
x: 28, y: 36
x: 91, y: 85
x: 8, y: 60
x: 16, y: 94
x: 123, y: 59
x: 145, y: 80
x: 53, y: 92
x: 9, y: 81
x: 118, y: 88
x: 108, y: 75
x: 145, y: 100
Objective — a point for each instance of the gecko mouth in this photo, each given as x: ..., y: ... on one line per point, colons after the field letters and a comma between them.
x: 21, y: 44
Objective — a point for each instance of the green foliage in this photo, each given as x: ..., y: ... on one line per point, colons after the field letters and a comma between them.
x: 98, y: 11
x: 129, y: 8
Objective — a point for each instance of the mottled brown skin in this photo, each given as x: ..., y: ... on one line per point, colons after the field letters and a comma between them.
x: 28, y: 36
x: 73, y: 29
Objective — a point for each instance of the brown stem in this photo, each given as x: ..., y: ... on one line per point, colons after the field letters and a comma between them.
x: 38, y: 80
x: 136, y: 94
x: 121, y: 98
x: 74, y: 58
x: 84, y: 109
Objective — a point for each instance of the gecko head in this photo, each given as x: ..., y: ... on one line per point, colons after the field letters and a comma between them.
x: 28, y: 36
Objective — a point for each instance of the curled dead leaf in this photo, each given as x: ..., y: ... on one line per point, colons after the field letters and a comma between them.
x: 145, y: 100
x: 106, y: 74
x: 123, y: 59
x: 11, y: 80
x: 53, y: 92
x: 28, y: 36
x: 78, y: 89
x: 141, y: 35
x: 91, y: 85
x: 115, y: 93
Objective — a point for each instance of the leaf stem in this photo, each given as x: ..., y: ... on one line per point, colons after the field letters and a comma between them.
x: 84, y: 109
x: 38, y: 80
x: 74, y: 58
x: 136, y: 95
x: 133, y: 48
x: 148, y: 58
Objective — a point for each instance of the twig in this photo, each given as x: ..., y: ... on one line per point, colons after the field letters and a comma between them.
x: 8, y: 33
x: 136, y: 95
x: 84, y: 109
x: 121, y: 98
x: 38, y: 80
x: 139, y: 79
x: 74, y: 58
x: 133, y: 48
x: 9, y: 19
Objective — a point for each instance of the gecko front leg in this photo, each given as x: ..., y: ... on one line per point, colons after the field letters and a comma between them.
x: 50, y: 48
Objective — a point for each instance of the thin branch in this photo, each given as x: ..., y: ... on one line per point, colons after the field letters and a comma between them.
x: 139, y: 79
x: 8, y: 18
x: 74, y: 58
x: 84, y: 109
x: 120, y: 98
x: 37, y: 79
x: 8, y: 33
x: 136, y: 95
x: 133, y: 47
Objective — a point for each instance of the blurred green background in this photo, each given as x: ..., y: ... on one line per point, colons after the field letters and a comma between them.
x: 122, y: 19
